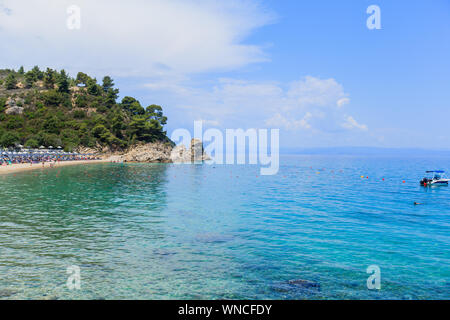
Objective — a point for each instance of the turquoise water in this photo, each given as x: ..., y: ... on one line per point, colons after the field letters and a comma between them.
x: 143, y: 231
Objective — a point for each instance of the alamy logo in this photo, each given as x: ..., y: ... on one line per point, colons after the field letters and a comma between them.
x: 233, y: 148
x: 374, y: 280
x: 374, y: 20
x: 74, y: 279
x: 74, y: 18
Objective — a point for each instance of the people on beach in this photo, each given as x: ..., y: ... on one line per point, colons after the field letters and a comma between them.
x: 34, y: 157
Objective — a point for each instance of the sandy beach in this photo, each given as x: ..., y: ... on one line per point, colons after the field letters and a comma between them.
x: 27, y: 167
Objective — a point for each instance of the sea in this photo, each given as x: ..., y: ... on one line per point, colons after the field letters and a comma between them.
x: 324, y: 227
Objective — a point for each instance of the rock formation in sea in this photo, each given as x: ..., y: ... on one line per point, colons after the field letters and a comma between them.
x: 195, y: 153
x: 160, y: 152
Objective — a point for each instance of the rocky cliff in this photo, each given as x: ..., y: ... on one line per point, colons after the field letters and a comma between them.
x: 159, y: 152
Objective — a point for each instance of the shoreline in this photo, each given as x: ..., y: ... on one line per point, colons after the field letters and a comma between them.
x: 14, y: 168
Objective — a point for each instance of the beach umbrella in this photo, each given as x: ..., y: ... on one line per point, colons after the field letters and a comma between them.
x: 41, y: 147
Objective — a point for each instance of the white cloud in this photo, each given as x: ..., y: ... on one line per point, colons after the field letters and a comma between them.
x: 279, y: 121
x: 312, y: 91
x: 310, y: 105
x: 351, y: 123
x: 341, y: 102
x: 134, y: 37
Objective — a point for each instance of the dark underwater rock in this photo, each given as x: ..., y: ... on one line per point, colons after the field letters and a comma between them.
x: 352, y: 284
x: 6, y: 293
x: 213, y: 238
x: 307, y: 284
x: 297, y: 289
x: 163, y: 253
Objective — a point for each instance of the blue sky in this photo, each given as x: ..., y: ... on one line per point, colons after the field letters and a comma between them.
x: 311, y: 68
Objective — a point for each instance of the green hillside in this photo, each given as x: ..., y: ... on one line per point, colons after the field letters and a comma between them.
x: 50, y: 108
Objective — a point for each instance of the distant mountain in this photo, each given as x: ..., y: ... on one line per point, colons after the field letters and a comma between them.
x: 365, y: 151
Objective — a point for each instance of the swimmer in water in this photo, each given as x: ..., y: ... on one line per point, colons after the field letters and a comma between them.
x: 417, y: 203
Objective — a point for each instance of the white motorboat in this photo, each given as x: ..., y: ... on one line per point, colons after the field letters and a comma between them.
x: 435, y: 178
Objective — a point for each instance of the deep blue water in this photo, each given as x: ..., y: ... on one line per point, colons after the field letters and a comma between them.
x: 143, y: 231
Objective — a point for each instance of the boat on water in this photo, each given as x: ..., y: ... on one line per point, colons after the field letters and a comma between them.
x: 435, y: 178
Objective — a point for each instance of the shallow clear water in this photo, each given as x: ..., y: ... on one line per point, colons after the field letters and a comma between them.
x: 143, y: 231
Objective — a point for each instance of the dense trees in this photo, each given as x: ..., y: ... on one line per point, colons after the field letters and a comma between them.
x: 82, y: 78
x: 132, y: 106
x: 61, y: 111
x: 32, y: 143
x: 9, y: 139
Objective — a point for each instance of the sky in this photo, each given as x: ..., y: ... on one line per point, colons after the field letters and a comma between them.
x: 312, y: 69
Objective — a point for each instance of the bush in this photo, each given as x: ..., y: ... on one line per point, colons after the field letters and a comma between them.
x: 79, y: 114
x: 32, y: 143
x: 15, y: 123
x: 81, y: 101
x: 2, y: 104
x: 102, y: 109
x: 9, y: 139
x: 52, y: 125
x: 51, y: 140
x: 99, y: 130
x: 10, y: 82
x: 52, y: 98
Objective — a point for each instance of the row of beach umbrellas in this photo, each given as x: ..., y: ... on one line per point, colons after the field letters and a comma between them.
x: 41, y: 147
x: 41, y: 152
x: 20, y: 150
x: 38, y: 152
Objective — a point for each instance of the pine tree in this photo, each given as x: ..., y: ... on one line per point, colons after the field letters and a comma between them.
x: 37, y: 73
x: 49, y: 79
x: 108, y: 83
x: 93, y: 88
x: 63, y: 83
x: 11, y: 82
x: 29, y: 79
